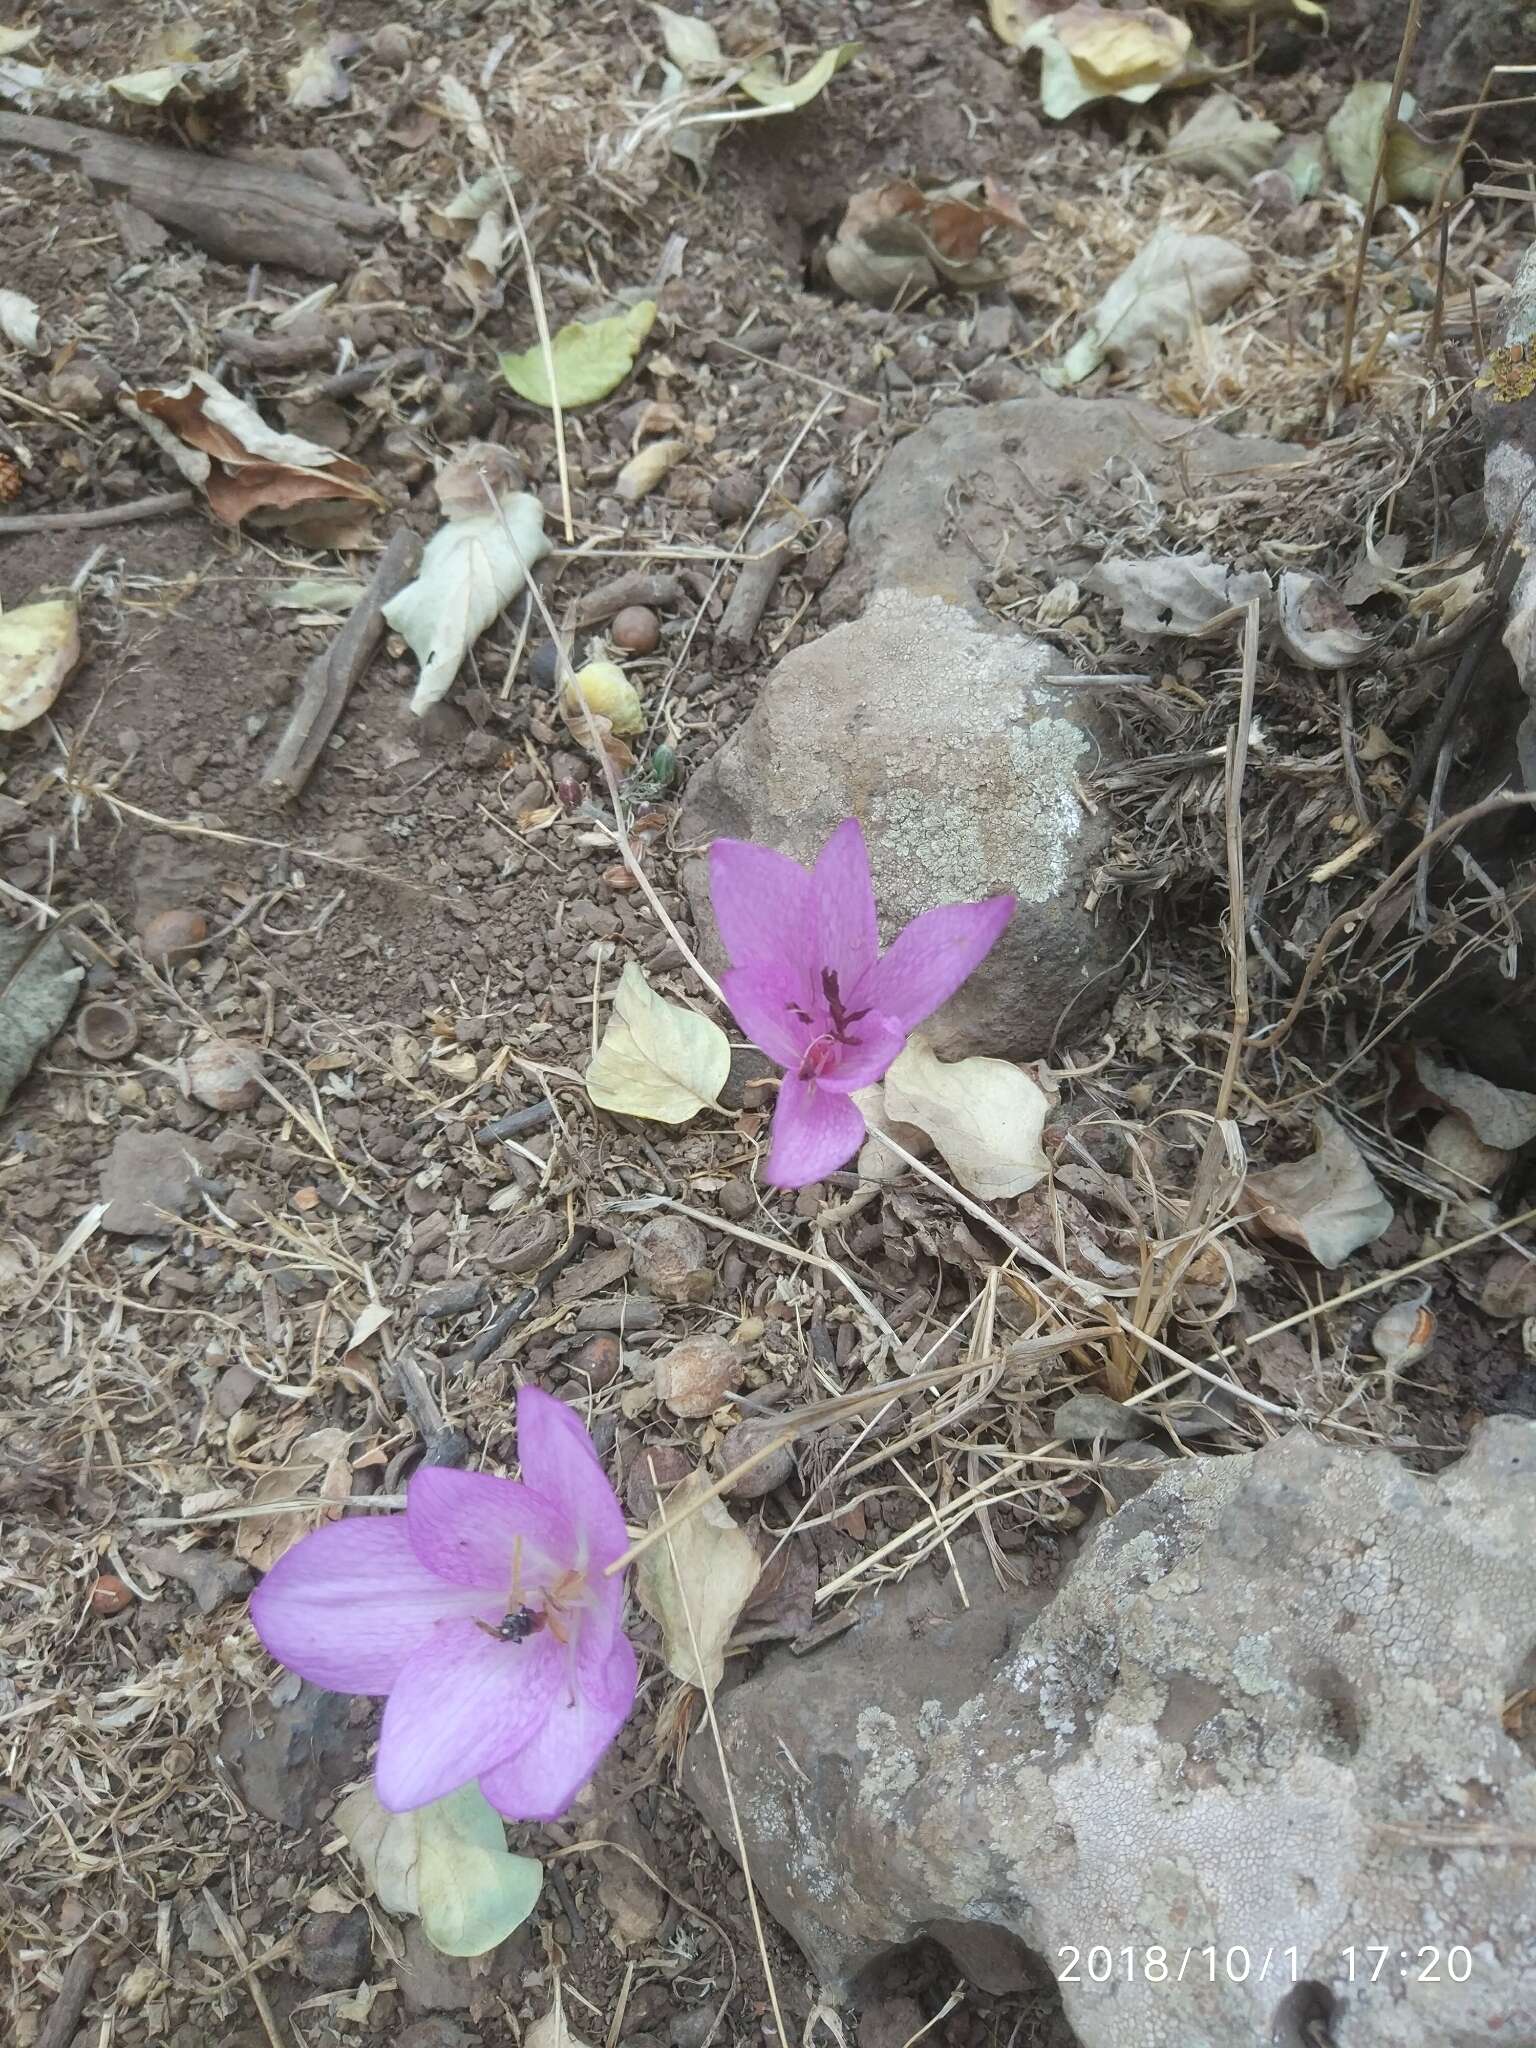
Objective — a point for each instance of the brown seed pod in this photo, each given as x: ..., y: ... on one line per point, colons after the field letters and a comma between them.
x: 222, y: 1074
x: 106, y: 1031
x: 173, y: 934
x: 636, y: 629
x: 109, y: 1595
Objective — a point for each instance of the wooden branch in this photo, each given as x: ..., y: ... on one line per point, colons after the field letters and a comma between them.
x: 240, y: 211
x: 763, y: 568
x: 74, y: 1989
x: 330, y: 676
x: 160, y: 506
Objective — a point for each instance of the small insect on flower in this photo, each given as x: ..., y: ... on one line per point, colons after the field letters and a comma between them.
x: 485, y: 1613
x: 809, y: 983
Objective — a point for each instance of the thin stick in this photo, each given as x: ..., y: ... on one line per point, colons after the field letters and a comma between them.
x: 159, y: 506
x: 725, y: 1779
x: 546, y: 346
x: 236, y: 1947
x: 1237, y: 922
x: 69, y: 2001
x: 1394, y: 101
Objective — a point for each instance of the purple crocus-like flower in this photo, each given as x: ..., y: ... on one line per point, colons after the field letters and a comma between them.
x: 809, y: 983
x: 485, y: 1615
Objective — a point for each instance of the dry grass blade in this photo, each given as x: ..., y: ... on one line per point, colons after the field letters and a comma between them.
x: 1362, y: 250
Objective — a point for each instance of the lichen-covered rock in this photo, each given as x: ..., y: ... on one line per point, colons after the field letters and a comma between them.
x: 1262, y: 1716
x: 946, y: 738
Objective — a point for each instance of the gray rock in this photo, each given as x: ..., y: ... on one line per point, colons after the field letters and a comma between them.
x: 1088, y: 1414
x: 213, y: 1577
x: 150, y: 1178
x: 946, y: 739
x: 437, y: 2033
x: 975, y: 490
x: 283, y: 1764
x: 1261, y: 1712
x: 430, y: 1981
x: 334, y: 1949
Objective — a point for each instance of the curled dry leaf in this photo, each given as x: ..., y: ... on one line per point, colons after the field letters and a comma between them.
x: 1176, y: 282
x: 39, y: 646
x: 472, y: 569
x: 224, y: 447
x: 785, y: 95
x: 317, y: 79
x: 591, y: 358
x: 646, y: 468
x: 692, y: 45
x: 448, y: 1863
x: 1413, y: 168
x: 1224, y: 139
x: 984, y: 1116
x: 1090, y: 53
x: 1505, y: 1117
x: 322, y: 1456
x: 897, y: 242
x: 1329, y: 1202
x: 1179, y: 594
x: 18, y: 322
x: 656, y: 1059
x: 153, y: 87
x: 602, y: 687
x: 701, y: 1574
x: 1315, y: 626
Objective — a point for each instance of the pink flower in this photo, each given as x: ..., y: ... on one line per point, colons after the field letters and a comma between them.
x: 809, y: 983
x: 484, y: 1614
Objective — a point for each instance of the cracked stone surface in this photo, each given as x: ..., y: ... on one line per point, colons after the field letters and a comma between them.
x: 1262, y: 1710
x: 947, y: 739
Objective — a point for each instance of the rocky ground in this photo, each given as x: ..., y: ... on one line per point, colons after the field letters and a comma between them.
x: 301, y: 1181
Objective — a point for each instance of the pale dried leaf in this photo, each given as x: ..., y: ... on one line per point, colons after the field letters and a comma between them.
x: 646, y: 468
x: 447, y: 1862
x: 1223, y: 138
x: 471, y: 571
x: 1090, y: 53
x: 656, y: 1059
x: 788, y: 94
x: 1177, y: 594
x: 691, y: 44
x: 1329, y: 1202
x: 1315, y: 625
x: 1412, y: 168
x: 39, y: 646
x: 552, y: 2030
x: 1176, y: 283
x: 18, y: 322
x: 1505, y: 1117
x: 316, y: 79
x: 985, y: 1116
x: 461, y: 106
x: 701, y: 1574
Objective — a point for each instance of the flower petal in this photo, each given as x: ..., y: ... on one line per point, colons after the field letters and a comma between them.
x: 470, y: 1527
x: 876, y: 1042
x: 560, y: 1464
x: 929, y: 959
x: 462, y: 1703
x: 348, y: 1605
x: 763, y: 904
x: 815, y: 1131
x: 543, y: 1777
x: 847, y: 937
x: 760, y: 998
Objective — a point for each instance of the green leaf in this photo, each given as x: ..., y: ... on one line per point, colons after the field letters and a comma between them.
x: 473, y: 1893
x: 448, y: 1863
x: 760, y: 84
x: 591, y: 358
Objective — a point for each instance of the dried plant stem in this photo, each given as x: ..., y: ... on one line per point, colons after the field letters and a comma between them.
x: 546, y: 346
x: 160, y: 506
x: 1394, y: 101
x: 232, y: 1941
x: 69, y: 2001
x: 725, y: 1778
x: 1237, y: 917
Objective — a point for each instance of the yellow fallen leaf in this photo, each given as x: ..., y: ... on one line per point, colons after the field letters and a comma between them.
x: 1092, y: 53
x: 603, y: 688
x: 786, y: 94
x: 39, y: 645
x: 696, y: 1581
x: 657, y: 1059
x: 984, y: 1116
x: 591, y: 358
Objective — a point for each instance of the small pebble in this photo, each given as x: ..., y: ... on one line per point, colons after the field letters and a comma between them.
x: 109, y: 1595
x: 636, y: 629
x: 733, y: 497
x: 740, y: 1443
x: 171, y: 934
x: 599, y: 1360
x: 544, y: 665
x: 696, y: 1376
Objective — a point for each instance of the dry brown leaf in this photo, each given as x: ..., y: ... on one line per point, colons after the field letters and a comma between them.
x: 318, y: 1462
x: 696, y: 1581
x: 226, y: 448
x: 1328, y: 1202
x: 897, y: 241
x: 1315, y: 625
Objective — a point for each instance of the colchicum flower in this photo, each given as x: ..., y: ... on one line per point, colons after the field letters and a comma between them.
x: 809, y: 983
x: 485, y: 1615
